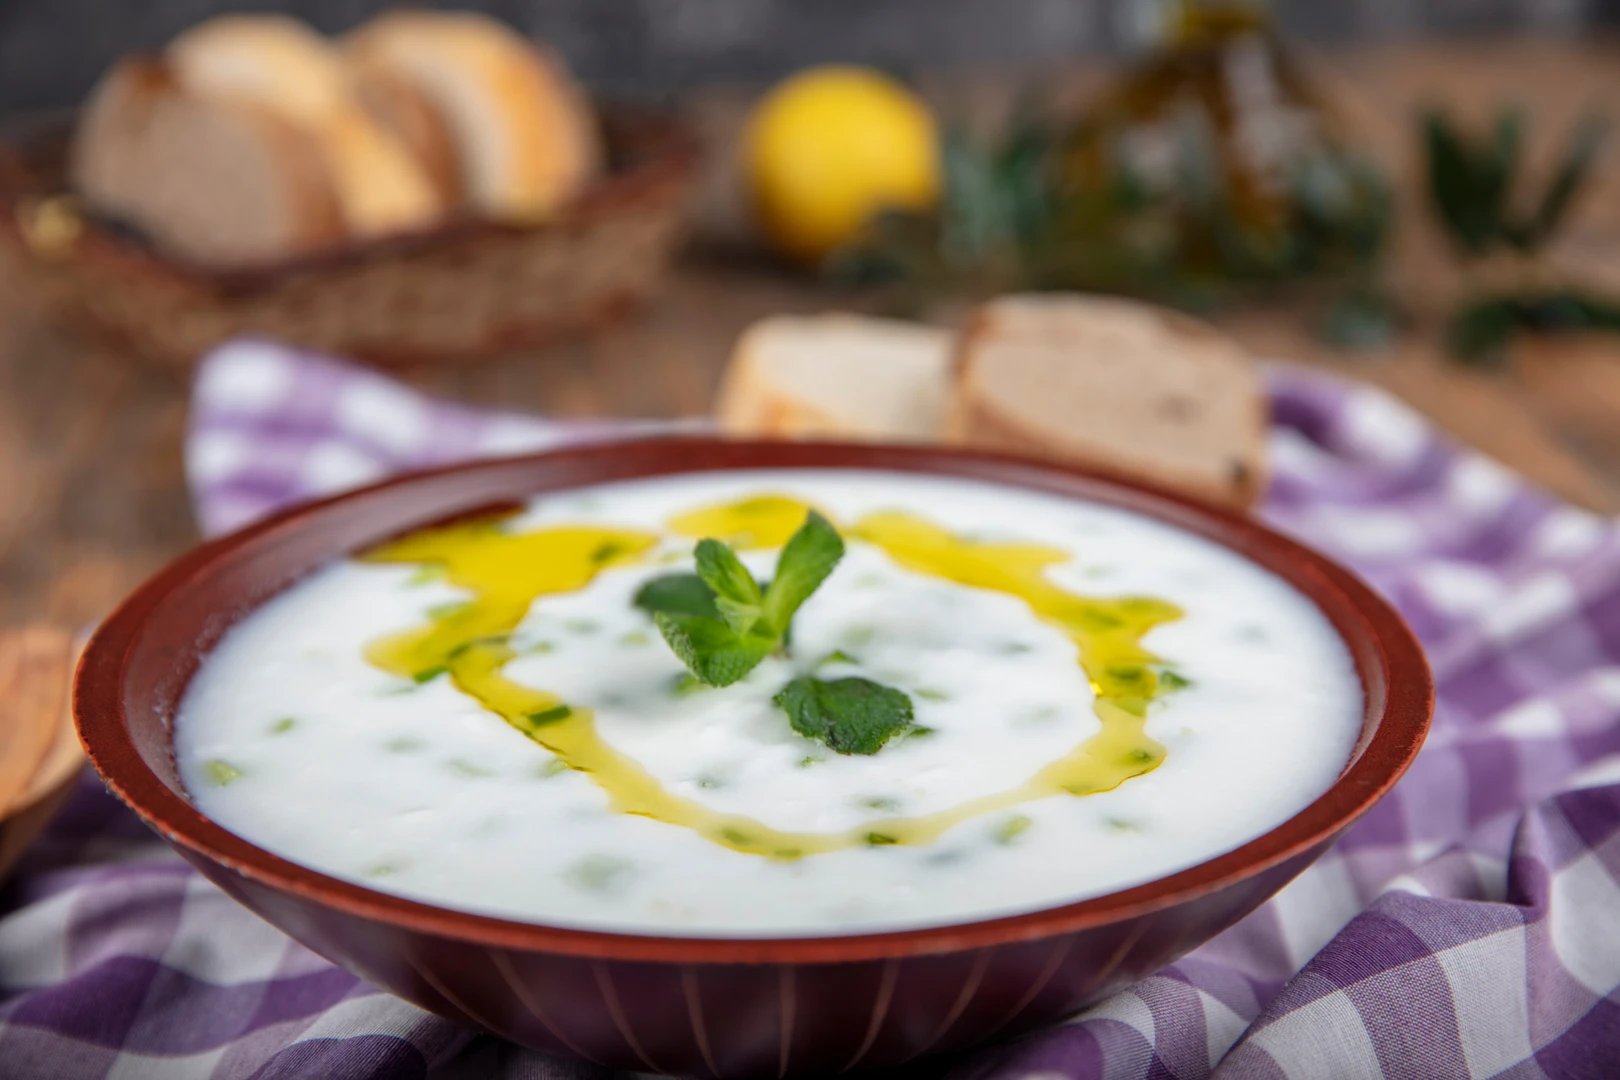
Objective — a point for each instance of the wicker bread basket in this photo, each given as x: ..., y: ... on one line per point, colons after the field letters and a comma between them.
x: 465, y: 290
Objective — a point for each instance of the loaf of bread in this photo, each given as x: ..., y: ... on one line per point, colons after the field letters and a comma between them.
x: 1112, y: 383
x: 521, y: 130
x: 838, y: 377
x: 218, y: 183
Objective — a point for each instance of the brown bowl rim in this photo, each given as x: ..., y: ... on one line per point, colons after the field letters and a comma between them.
x: 1401, y: 724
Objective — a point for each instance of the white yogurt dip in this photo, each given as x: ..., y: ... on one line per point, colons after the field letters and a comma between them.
x: 294, y: 735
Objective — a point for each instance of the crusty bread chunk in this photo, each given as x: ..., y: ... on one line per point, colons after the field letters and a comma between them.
x: 524, y: 137
x: 213, y: 183
x: 278, y: 64
x: 397, y: 106
x: 836, y: 376
x: 1116, y: 384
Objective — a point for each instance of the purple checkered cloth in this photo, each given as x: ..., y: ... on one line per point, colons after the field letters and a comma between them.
x: 1469, y: 926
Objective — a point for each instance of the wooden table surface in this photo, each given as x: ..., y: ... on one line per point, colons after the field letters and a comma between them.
x: 92, y: 490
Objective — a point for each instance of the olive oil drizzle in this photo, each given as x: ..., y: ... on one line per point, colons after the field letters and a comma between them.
x: 508, y: 571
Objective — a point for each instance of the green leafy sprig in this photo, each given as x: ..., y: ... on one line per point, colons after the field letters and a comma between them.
x: 722, y: 623
x: 1495, y: 223
x: 1476, y: 190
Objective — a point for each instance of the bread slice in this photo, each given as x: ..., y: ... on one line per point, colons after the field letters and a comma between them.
x: 836, y: 376
x: 398, y: 106
x: 277, y: 64
x: 525, y: 139
x: 214, y: 183
x: 1116, y: 384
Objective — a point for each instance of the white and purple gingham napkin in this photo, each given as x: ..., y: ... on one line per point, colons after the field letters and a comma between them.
x: 1469, y: 926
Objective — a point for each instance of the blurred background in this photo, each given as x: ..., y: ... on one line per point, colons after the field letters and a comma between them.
x: 1423, y: 194
x: 50, y: 53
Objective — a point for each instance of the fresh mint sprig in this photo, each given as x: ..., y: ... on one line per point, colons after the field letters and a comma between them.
x: 720, y: 621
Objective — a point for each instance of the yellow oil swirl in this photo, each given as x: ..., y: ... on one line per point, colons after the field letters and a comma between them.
x: 506, y: 572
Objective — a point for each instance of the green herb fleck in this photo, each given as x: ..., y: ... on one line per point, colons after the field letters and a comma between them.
x: 554, y: 767
x: 837, y: 656
x: 1128, y: 675
x: 1043, y: 715
x: 468, y: 646
x: 469, y: 769
x: 426, y: 574
x: 427, y: 675
x: 608, y: 551
x: 1011, y: 828
x: 1097, y: 621
x: 583, y: 627
x: 928, y: 693
x: 284, y: 725
x: 884, y: 803
x: 222, y: 772
x: 551, y: 715
x: 1171, y: 681
x: 856, y: 636
x: 383, y: 870
x: 598, y: 873
x: 448, y: 610
x: 710, y: 783
x: 916, y: 731
x: 1121, y: 825
x: 809, y: 760
x: 634, y: 639
x: 686, y: 684
x: 852, y: 716
x: 877, y: 839
x: 403, y: 745
x: 540, y: 648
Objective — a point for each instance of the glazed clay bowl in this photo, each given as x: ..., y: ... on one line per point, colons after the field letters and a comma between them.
x: 718, y: 1007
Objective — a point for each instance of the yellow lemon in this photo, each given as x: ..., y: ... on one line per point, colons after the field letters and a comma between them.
x: 832, y: 146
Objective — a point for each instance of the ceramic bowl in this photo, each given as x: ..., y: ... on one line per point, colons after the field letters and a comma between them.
x: 716, y: 1007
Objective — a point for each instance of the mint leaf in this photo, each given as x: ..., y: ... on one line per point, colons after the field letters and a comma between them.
x: 852, y: 716
x: 806, y: 560
x: 720, y: 621
x: 710, y: 649
x: 736, y: 593
x: 679, y: 594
